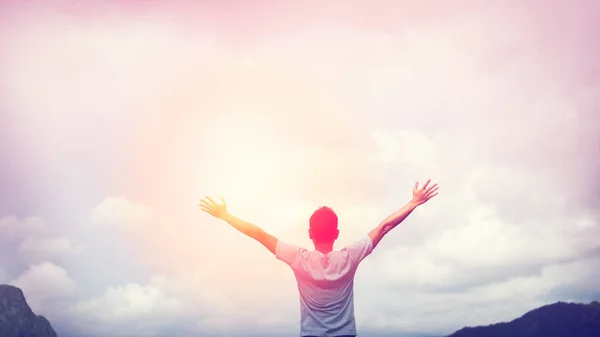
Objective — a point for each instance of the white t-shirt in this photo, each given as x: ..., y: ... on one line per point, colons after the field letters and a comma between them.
x: 325, y: 283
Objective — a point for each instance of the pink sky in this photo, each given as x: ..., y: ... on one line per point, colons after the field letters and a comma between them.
x: 117, y: 118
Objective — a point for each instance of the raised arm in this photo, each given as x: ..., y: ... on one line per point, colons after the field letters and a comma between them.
x: 219, y: 210
x: 420, y: 196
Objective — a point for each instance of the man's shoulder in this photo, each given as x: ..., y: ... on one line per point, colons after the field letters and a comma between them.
x: 290, y: 253
x: 364, y: 242
x: 359, y: 249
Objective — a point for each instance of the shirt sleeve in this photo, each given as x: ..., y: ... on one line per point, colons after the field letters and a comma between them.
x: 360, y: 249
x: 290, y: 254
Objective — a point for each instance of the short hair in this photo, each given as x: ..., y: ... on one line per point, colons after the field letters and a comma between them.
x: 323, y: 224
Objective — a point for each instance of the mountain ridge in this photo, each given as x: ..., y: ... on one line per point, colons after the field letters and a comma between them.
x: 16, y: 317
x: 560, y: 319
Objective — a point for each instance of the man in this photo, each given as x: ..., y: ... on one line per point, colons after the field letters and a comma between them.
x: 325, y: 277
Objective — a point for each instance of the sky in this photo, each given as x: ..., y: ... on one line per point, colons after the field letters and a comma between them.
x: 118, y: 117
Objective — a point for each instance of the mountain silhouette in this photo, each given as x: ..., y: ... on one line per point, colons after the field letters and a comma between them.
x: 16, y: 317
x: 555, y: 320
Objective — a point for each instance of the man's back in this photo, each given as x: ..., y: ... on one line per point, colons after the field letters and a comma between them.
x: 326, y: 286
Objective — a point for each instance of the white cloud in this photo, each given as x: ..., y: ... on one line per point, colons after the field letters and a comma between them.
x: 159, y: 306
x: 129, y: 302
x: 30, y: 241
x: 43, y: 283
x: 485, y: 304
x: 36, y: 249
x: 14, y: 228
x: 121, y: 213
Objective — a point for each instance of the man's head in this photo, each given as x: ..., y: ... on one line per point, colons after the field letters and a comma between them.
x: 323, y: 226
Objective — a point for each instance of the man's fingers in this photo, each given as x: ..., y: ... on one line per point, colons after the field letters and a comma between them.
x: 223, y: 200
x: 212, y: 201
x: 426, y: 183
x: 431, y: 196
x: 205, y: 209
x: 416, y: 186
x: 206, y: 204
x: 431, y: 191
x: 433, y: 188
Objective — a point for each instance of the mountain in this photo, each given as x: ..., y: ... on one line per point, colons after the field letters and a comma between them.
x: 554, y: 320
x: 16, y: 317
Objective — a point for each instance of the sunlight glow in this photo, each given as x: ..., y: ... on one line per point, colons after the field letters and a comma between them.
x: 250, y: 165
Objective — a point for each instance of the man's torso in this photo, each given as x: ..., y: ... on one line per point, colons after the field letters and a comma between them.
x: 325, y: 284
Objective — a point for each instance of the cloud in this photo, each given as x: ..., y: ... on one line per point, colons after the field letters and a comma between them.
x: 487, y: 303
x: 482, y: 251
x: 14, y: 228
x: 159, y: 306
x: 120, y: 213
x: 39, y: 249
x: 44, y: 283
x: 29, y: 240
x: 128, y: 302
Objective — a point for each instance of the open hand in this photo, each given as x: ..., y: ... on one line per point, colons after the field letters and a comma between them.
x: 426, y: 192
x: 209, y: 206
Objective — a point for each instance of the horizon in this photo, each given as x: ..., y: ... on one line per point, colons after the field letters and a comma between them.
x: 117, y: 118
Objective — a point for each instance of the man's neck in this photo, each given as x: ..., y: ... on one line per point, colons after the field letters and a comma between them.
x: 323, y: 247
